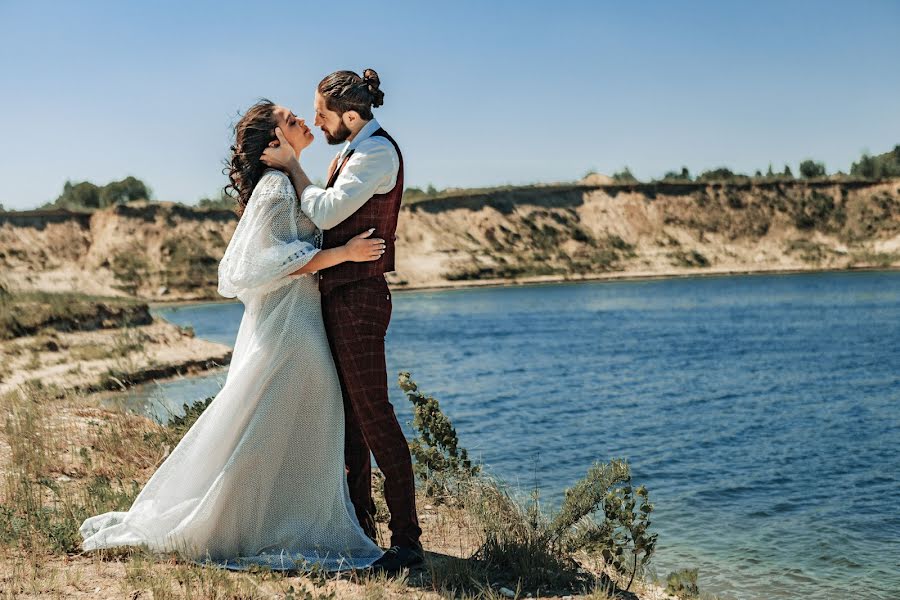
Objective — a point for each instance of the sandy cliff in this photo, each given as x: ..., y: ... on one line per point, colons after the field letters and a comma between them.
x: 168, y: 251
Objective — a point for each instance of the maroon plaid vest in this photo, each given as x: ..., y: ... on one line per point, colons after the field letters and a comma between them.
x: 381, y: 212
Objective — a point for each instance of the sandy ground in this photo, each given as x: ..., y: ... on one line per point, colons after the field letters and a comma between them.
x: 106, y: 358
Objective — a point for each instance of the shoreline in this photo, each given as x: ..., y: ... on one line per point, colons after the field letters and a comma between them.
x: 171, y: 352
x: 114, y: 359
x: 615, y: 276
x: 632, y: 276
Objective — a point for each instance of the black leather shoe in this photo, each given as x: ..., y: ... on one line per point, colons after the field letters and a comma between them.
x: 397, y: 558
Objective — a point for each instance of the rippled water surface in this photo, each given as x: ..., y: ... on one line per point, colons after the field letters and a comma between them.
x: 763, y: 412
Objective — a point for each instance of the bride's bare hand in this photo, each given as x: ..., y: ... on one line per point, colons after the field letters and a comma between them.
x: 362, y: 248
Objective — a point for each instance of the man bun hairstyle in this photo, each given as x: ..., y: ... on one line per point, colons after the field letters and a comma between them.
x: 345, y: 90
x: 374, y: 85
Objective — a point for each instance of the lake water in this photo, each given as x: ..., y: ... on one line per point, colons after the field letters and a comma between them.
x: 762, y: 412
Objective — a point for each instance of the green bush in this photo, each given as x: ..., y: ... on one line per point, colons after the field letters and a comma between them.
x: 222, y: 201
x: 721, y: 174
x: 624, y: 176
x: 85, y: 194
x: 876, y: 167
x: 26, y: 313
x: 439, y: 460
x: 119, y: 192
x: 519, y: 541
x: 810, y: 169
x: 178, y: 425
x: 130, y: 268
x: 818, y: 210
x: 618, y: 243
x: 683, y: 583
x: 692, y: 258
x: 188, y: 263
x: 684, y: 175
x: 414, y: 194
x: 623, y: 533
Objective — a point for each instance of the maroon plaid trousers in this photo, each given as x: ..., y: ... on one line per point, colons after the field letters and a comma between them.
x: 356, y: 319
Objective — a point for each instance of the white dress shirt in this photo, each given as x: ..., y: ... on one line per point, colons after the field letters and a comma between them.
x: 372, y: 169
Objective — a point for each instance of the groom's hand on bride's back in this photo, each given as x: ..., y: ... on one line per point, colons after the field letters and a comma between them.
x: 279, y: 155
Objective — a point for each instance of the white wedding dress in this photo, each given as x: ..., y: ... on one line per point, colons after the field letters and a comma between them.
x: 259, y: 478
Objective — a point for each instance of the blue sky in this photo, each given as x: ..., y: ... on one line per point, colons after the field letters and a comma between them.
x: 476, y: 93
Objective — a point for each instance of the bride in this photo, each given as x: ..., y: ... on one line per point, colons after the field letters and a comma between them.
x: 259, y: 478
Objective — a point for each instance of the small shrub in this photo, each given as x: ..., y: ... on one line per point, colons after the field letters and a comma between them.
x: 810, y: 169
x: 809, y: 251
x: 520, y: 542
x: 603, y: 259
x: 721, y: 174
x: 818, y: 210
x: 130, y: 268
x: 178, y: 425
x: 222, y: 201
x: 27, y: 313
x: 624, y: 176
x: 580, y: 235
x: 188, y: 264
x: 878, y: 259
x: 735, y: 201
x: 673, y: 176
x: 439, y: 460
x: 623, y: 533
x: 619, y: 244
x: 877, y: 167
x: 683, y: 583
x: 691, y: 258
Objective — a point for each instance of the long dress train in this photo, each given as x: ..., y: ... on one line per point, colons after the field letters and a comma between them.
x: 259, y: 478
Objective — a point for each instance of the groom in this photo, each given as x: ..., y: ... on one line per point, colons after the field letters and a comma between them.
x: 365, y: 184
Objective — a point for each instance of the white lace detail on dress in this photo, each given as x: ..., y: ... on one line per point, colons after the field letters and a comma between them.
x: 266, y: 245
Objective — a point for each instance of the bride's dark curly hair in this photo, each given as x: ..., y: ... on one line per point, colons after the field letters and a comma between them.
x: 252, y: 135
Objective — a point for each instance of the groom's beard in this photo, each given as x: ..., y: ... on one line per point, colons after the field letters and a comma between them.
x: 338, y: 137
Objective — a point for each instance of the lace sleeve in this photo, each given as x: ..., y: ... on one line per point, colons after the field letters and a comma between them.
x: 265, y: 246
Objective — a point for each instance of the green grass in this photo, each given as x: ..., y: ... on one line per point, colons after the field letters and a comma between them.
x: 29, y: 312
x: 809, y: 251
x: 688, y: 258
